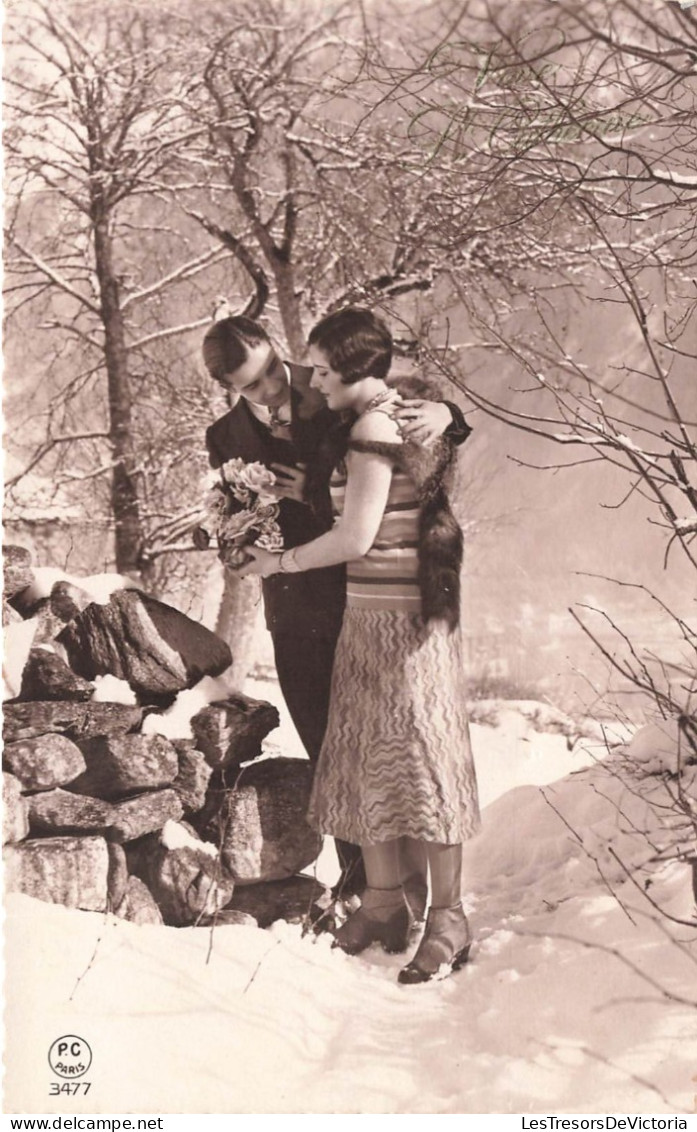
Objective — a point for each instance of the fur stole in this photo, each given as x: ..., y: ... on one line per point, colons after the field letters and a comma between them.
x: 440, y: 535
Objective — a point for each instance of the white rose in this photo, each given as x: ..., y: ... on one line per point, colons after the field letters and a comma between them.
x: 259, y: 479
x: 233, y: 470
x: 233, y: 473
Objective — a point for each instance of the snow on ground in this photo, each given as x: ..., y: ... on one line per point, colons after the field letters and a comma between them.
x: 572, y: 1001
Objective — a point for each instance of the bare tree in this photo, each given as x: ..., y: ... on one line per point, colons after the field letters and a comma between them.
x: 581, y: 118
x: 93, y: 123
x: 307, y: 175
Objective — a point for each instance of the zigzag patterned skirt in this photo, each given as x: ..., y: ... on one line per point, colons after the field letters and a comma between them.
x: 396, y: 759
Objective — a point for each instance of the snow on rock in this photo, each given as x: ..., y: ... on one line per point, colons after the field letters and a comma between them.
x: 155, y: 647
x: 186, y: 882
x: 100, y: 587
x: 175, y: 722
x: 111, y: 689
x: 174, y: 835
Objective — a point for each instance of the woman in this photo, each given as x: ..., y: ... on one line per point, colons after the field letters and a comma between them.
x: 396, y: 760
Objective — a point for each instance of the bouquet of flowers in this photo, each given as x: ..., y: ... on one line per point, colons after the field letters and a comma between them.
x: 241, y: 510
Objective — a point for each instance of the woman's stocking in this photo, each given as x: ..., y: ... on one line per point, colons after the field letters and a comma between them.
x: 413, y: 862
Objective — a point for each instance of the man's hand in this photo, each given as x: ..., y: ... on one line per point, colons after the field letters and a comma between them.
x: 290, y: 482
x: 422, y: 421
x: 200, y: 538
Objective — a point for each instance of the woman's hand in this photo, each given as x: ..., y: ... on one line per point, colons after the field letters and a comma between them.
x: 290, y: 482
x: 261, y: 562
x: 421, y: 421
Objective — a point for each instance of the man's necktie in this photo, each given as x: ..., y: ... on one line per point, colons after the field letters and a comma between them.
x: 277, y: 424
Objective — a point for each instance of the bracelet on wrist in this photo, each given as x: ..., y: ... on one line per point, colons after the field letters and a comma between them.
x: 287, y: 563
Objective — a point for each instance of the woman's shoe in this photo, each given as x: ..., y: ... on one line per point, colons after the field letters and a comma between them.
x: 444, y: 948
x: 383, y: 917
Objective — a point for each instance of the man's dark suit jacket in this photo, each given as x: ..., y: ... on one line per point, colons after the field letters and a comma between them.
x: 310, y: 603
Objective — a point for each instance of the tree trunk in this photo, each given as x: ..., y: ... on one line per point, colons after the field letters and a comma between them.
x: 236, y: 624
x: 124, y: 493
x: 289, y: 308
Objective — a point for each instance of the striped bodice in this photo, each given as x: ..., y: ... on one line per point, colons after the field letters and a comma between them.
x: 386, y: 577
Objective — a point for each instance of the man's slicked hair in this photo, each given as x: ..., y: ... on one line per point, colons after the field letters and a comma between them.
x: 226, y: 343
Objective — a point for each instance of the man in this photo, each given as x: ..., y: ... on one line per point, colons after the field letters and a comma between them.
x: 280, y: 420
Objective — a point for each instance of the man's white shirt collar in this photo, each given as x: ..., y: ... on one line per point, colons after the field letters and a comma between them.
x: 282, y: 415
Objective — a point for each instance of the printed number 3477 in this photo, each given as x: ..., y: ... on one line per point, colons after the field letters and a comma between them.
x: 72, y: 1088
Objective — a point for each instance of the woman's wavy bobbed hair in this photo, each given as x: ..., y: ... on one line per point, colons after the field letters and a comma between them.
x: 356, y: 343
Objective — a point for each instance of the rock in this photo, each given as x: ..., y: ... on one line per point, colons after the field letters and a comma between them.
x: 27, y: 603
x: 123, y: 764
x: 10, y: 616
x: 261, y: 824
x: 117, y: 880
x: 231, y: 732
x: 76, y: 720
x: 289, y: 900
x: 61, y: 870
x: 182, y: 873
x: 67, y: 600
x: 194, y: 775
x: 45, y: 762
x: 227, y: 918
x: 153, y: 646
x: 138, y: 904
x: 16, y: 570
x: 46, y: 676
x: 59, y: 811
x: 48, y: 626
x: 144, y: 814
x: 15, y: 823
x: 37, y: 609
